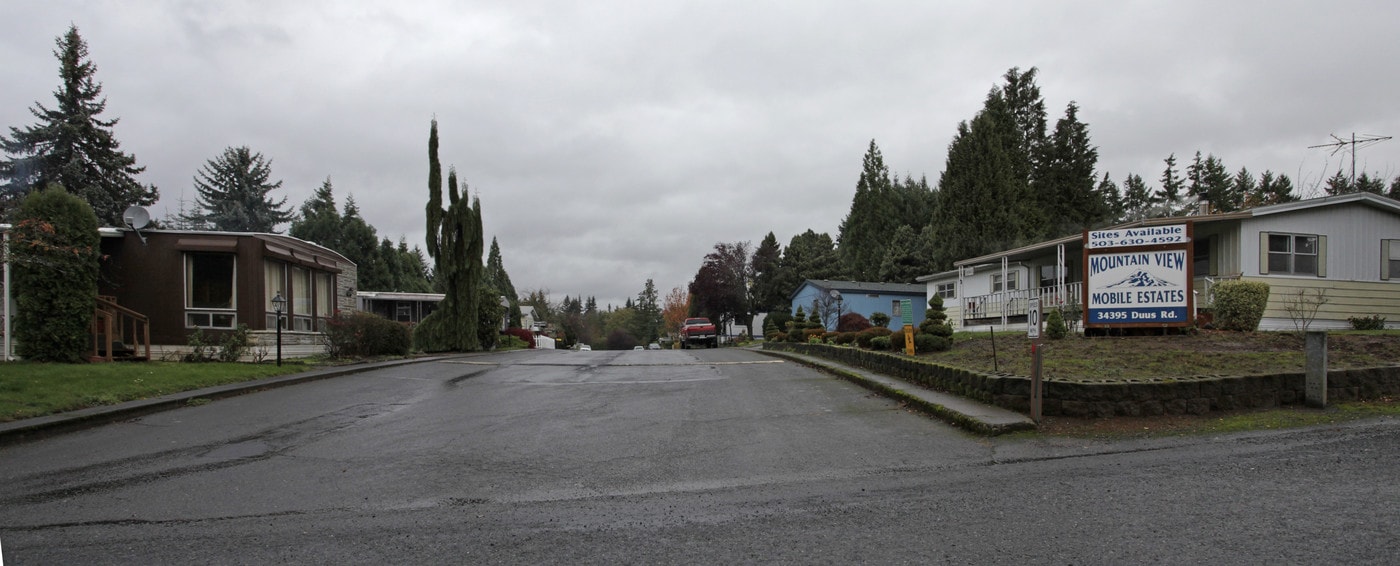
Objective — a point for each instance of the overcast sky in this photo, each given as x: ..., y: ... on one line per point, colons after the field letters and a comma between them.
x: 612, y: 142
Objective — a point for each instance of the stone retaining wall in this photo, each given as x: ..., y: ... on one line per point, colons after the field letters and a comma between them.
x: 1131, y: 397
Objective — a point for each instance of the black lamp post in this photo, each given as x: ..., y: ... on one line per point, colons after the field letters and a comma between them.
x: 837, y: 295
x: 279, y: 306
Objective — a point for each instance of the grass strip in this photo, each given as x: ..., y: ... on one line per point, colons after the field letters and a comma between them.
x: 36, y: 389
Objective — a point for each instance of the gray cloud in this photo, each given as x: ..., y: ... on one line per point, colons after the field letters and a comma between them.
x: 619, y: 141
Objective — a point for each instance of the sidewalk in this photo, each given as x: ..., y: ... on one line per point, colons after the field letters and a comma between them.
x: 958, y: 411
x: 24, y: 430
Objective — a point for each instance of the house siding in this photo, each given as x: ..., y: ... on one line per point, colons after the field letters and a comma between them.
x: 1354, y: 233
x: 1344, y: 299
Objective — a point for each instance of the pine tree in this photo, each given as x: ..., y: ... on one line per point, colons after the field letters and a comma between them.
x: 767, y: 294
x: 319, y: 220
x: 903, y: 262
x: 1109, y: 203
x: 233, y: 193
x: 1064, y: 180
x: 1171, y: 183
x: 72, y: 146
x: 865, y: 231
x: 648, y: 319
x: 498, y: 279
x: 1273, y: 190
x: 983, y: 205
x: 1244, y: 185
x: 1137, y: 198
x: 359, y: 243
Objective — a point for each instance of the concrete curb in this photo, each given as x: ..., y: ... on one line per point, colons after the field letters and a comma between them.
x: 958, y: 411
x: 25, y: 430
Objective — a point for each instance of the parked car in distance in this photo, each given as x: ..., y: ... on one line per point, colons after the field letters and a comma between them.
x: 585, y: 348
x: 653, y: 346
x: 638, y: 348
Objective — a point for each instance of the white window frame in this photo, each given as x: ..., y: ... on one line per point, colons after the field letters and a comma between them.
x: 1012, y: 278
x: 946, y: 290
x: 1390, y: 260
x: 1266, y: 253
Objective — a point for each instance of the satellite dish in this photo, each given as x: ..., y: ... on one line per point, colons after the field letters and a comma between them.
x: 136, y: 217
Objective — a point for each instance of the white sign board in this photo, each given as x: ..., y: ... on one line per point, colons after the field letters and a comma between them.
x: 1146, y: 236
x: 1138, y: 287
x: 1033, y: 318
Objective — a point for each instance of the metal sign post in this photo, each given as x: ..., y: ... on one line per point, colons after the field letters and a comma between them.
x: 1033, y: 332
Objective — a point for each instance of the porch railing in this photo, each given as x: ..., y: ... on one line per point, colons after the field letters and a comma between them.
x: 118, y: 330
x: 983, y: 309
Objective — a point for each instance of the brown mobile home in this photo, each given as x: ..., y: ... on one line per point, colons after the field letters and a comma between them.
x: 215, y: 281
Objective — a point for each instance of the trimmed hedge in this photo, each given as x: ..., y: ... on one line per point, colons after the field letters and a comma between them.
x: 360, y: 334
x: 54, y: 248
x: 1239, y: 305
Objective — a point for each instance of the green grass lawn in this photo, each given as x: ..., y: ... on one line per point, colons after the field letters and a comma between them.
x: 33, y: 389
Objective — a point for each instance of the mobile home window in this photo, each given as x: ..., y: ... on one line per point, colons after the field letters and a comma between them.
x: 209, y: 290
x: 274, y: 283
x: 1390, y: 259
x: 946, y: 290
x: 1009, y: 284
x: 1294, y: 254
x: 301, y: 299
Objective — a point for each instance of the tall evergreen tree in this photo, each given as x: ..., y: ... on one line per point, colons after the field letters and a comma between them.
x: 455, y: 244
x: 1273, y: 190
x: 233, y: 193
x: 808, y: 255
x: 903, y: 261
x: 359, y: 242
x: 1208, y: 180
x: 72, y: 146
x: 1244, y: 185
x: 1137, y: 198
x: 865, y: 231
x: 647, y: 322
x: 767, y: 293
x: 1171, y: 183
x: 1064, y: 181
x: 498, y: 279
x: 983, y: 203
x: 319, y: 221
x: 1109, y: 203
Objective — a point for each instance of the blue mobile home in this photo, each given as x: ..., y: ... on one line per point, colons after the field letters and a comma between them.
x: 830, y: 299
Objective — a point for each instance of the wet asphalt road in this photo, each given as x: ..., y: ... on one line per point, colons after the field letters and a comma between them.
x: 697, y: 456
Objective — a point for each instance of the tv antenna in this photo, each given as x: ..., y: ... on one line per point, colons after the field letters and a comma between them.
x: 1356, y: 143
x: 137, y: 217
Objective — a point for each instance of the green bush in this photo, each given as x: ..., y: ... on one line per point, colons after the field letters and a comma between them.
x: 1055, y: 328
x: 879, y: 319
x: 811, y: 333
x: 1240, y: 304
x: 925, y: 343
x: 360, y: 334
x: 1373, y: 322
x: 936, y: 319
x: 843, y: 338
x: 865, y: 337
x: 54, y: 251
x: 880, y: 343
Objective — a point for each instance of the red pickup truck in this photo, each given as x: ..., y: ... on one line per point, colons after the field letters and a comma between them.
x: 698, y: 331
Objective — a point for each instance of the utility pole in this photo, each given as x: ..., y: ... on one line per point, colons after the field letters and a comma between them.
x: 1355, y: 143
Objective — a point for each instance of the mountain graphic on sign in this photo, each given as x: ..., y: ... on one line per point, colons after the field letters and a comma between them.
x: 1142, y: 279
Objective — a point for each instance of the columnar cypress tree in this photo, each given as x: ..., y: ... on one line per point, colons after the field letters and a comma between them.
x: 72, y: 147
x: 455, y: 244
